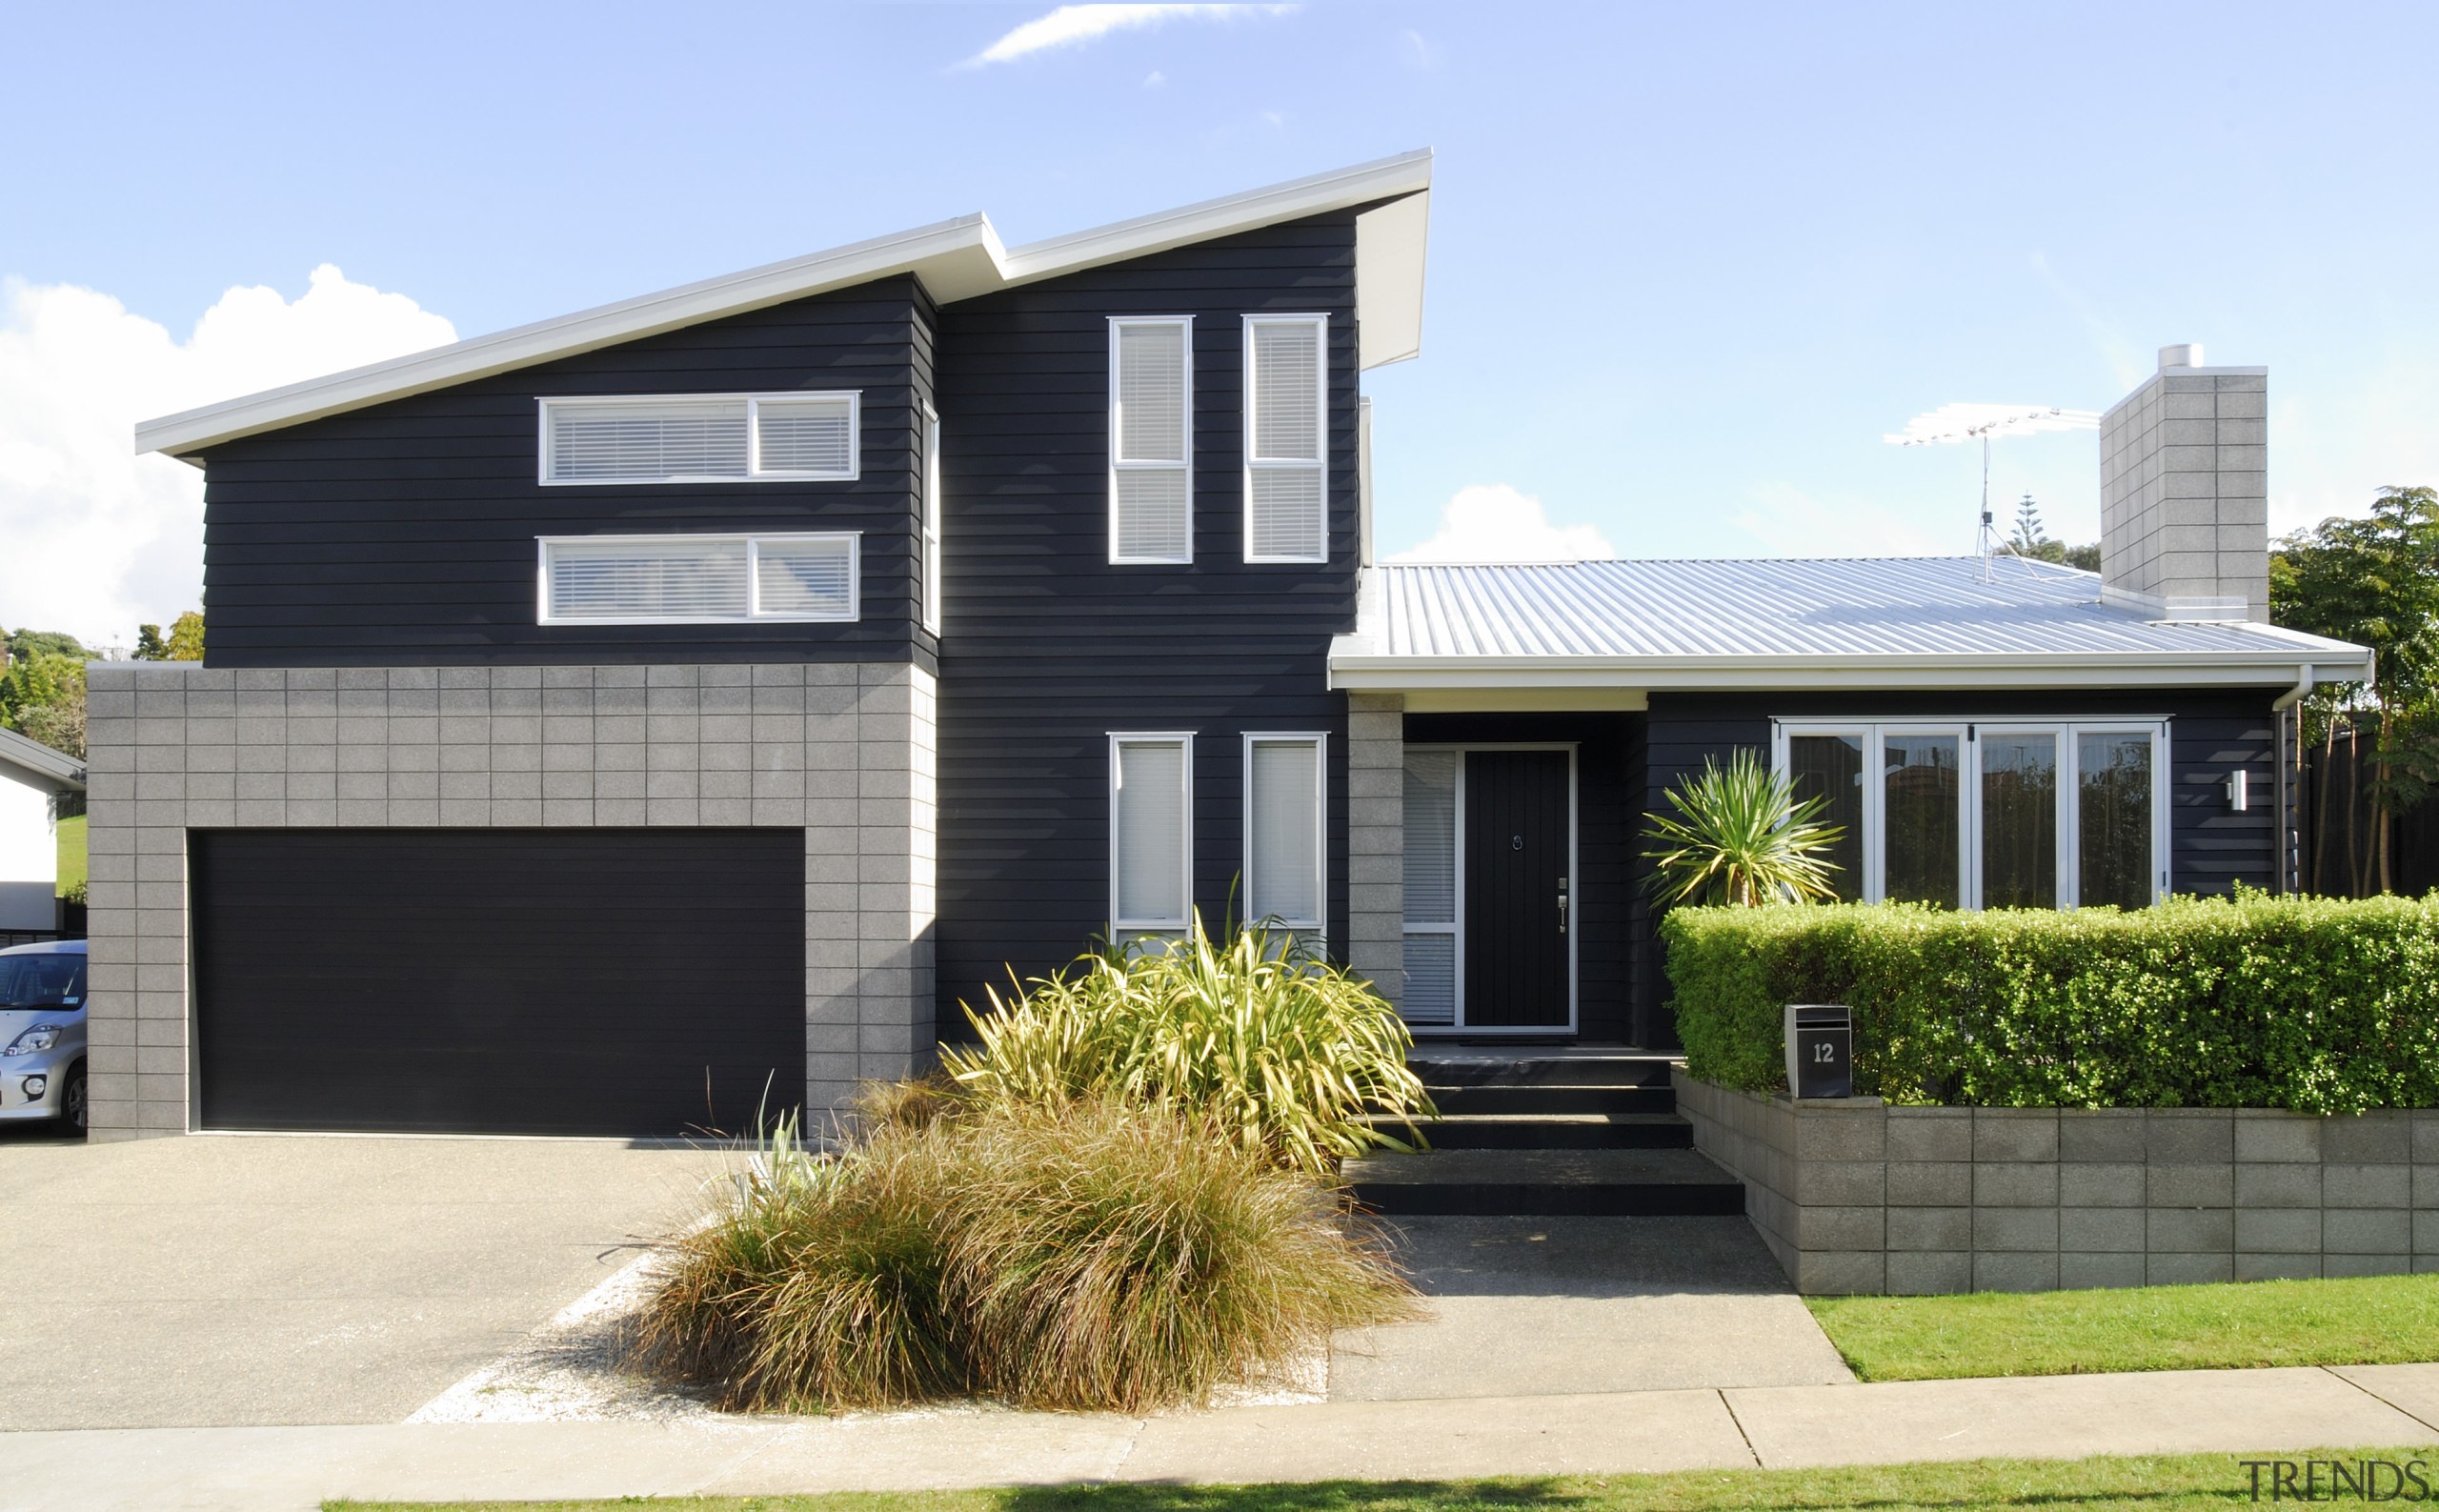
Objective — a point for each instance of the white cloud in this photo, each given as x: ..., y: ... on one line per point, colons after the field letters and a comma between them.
x: 93, y: 537
x: 1494, y: 522
x: 1071, y: 24
x: 1155, y: 79
x: 1417, y: 50
x: 1787, y: 521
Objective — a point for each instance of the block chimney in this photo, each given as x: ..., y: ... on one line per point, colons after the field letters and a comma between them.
x: 2184, y: 492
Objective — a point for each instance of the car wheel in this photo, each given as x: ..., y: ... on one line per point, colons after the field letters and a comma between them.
x: 71, y: 1101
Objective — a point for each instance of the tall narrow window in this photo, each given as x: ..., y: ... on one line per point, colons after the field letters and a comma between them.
x: 1921, y: 778
x: 2113, y: 814
x: 1430, y: 995
x: 1830, y: 768
x: 1286, y: 438
x: 932, y: 508
x: 1151, y: 845
x: 1284, y: 850
x: 2019, y: 819
x: 1151, y: 440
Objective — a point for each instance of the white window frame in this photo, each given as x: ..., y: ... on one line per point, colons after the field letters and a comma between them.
x: 1320, y: 465
x: 1874, y: 733
x: 1122, y: 929
x: 933, y: 508
x: 1458, y: 1026
x: 1118, y: 464
x: 754, y: 469
x: 754, y: 611
x: 1316, y: 927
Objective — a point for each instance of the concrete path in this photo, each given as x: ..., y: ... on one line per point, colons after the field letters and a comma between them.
x: 235, y: 1279
x: 292, y: 1469
x: 1609, y: 1304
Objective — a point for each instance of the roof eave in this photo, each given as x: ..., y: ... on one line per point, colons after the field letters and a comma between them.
x: 1354, y: 668
x: 37, y: 765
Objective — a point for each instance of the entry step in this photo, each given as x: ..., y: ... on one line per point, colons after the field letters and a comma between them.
x: 1595, y: 1100
x: 1556, y: 1131
x: 1466, y: 1066
x: 1546, y: 1182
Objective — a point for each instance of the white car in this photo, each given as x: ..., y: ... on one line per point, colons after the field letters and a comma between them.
x: 42, y: 1033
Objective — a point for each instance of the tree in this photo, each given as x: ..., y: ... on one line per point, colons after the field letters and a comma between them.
x: 2028, y: 537
x: 42, y: 642
x: 42, y: 698
x: 2374, y: 581
x: 1741, y: 836
x: 183, y: 643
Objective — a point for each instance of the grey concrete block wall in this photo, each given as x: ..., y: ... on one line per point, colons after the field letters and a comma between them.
x: 2185, y: 496
x: 1858, y: 1196
x: 842, y: 751
x: 1375, y: 840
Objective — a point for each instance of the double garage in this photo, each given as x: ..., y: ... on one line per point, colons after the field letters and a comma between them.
x: 636, y: 982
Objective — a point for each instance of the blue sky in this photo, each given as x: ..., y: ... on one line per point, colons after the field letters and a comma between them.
x: 1689, y: 264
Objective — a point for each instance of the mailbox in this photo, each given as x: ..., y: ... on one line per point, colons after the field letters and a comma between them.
x: 1821, y: 1051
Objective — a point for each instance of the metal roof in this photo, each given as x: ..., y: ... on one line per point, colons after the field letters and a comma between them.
x: 38, y: 766
x: 1864, y: 614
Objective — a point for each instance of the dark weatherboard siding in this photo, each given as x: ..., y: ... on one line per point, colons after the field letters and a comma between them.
x: 1047, y: 647
x: 637, y: 982
x: 2211, y: 732
x: 403, y: 535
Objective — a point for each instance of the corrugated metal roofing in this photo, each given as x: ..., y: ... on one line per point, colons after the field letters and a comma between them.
x: 1777, y: 608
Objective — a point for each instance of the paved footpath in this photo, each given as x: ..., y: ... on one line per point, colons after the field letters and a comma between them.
x: 273, y: 1469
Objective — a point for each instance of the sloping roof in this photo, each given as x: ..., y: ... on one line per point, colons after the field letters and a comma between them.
x: 956, y: 259
x: 38, y: 766
x: 1947, y: 622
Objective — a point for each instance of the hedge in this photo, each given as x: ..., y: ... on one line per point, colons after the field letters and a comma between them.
x: 2321, y: 1005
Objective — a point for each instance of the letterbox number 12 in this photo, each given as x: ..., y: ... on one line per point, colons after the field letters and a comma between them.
x: 1824, y: 1052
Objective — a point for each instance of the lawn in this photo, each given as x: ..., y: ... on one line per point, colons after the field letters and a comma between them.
x: 72, y: 855
x: 2366, y: 1321
x: 2162, y: 1483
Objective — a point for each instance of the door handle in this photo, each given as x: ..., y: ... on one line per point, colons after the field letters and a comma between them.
x: 1561, y: 909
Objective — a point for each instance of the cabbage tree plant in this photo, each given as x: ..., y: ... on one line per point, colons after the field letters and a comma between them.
x: 1741, y: 836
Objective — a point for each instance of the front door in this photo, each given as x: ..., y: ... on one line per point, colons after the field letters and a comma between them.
x: 1517, y: 860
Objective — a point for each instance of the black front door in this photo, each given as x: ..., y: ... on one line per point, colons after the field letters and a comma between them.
x: 1516, y: 890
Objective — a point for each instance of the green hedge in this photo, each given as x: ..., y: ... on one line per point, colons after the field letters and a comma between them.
x: 2320, y: 1005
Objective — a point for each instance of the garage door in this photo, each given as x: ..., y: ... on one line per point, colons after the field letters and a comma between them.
x: 645, y: 982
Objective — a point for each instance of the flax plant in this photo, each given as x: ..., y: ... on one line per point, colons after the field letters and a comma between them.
x: 1255, y: 1040
x: 1740, y: 836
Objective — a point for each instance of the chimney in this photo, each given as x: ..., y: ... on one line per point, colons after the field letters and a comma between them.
x: 2184, y: 492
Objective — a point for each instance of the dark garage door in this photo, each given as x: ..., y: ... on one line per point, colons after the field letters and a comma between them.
x: 505, y: 981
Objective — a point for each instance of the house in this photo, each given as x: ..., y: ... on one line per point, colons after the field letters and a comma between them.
x: 32, y: 779
x: 665, y: 716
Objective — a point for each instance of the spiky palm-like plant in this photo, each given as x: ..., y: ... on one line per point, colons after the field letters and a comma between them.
x: 1739, y: 836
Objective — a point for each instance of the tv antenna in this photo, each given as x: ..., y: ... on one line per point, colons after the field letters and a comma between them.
x: 1952, y: 424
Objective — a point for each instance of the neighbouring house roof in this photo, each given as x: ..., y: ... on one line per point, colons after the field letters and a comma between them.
x: 956, y: 259
x: 1867, y: 622
x: 38, y: 766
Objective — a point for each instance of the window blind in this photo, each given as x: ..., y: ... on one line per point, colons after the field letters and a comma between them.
x: 1151, y: 440
x: 611, y: 580
x: 1284, y: 831
x: 812, y: 436
x: 1150, y: 849
x: 700, y: 437
x: 811, y: 578
x: 1285, y: 518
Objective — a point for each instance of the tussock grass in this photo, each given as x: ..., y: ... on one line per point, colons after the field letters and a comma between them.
x: 1256, y: 1040
x: 1086, y: 1253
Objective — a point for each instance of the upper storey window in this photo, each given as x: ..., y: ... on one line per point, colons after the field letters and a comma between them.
x: 1287, y: 439
x: 1151, y: 440
x: 700, y: 438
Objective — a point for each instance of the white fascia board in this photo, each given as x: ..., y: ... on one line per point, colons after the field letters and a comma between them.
x: 956, y: 259
x: 1688, y: 673
x: 1390, y: 247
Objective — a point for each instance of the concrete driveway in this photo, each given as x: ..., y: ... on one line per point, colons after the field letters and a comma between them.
x: 246, y: 1280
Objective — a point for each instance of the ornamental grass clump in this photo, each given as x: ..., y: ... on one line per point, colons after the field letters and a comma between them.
x: 1256, y: 1040
x: 1089, y: 1255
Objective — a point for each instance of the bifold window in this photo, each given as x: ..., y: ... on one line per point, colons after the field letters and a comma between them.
x: 1151, y: 440
x: 1151, y: 836
x: 700, y: 438
x: 1998, y: 813
x: 1285, y: 794
x: 697, y: 580
x: 1287, y: 439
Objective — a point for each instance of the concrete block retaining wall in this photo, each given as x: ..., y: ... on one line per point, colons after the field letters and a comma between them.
x: 1858, y: 1196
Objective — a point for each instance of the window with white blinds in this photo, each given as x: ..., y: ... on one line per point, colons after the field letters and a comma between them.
x: 700, y: 438
x: 1151, y: 844
x: 1431, y: 933
x: 1286, y: 438
x: 932, y: 507
x: 697, y: 580
x: 1284, y: 806
x: 1151, y: 440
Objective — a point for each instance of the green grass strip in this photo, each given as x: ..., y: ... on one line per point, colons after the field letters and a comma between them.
x: 2365, y: 1320
x: 2111, y: 1483
x: 72, y: 854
